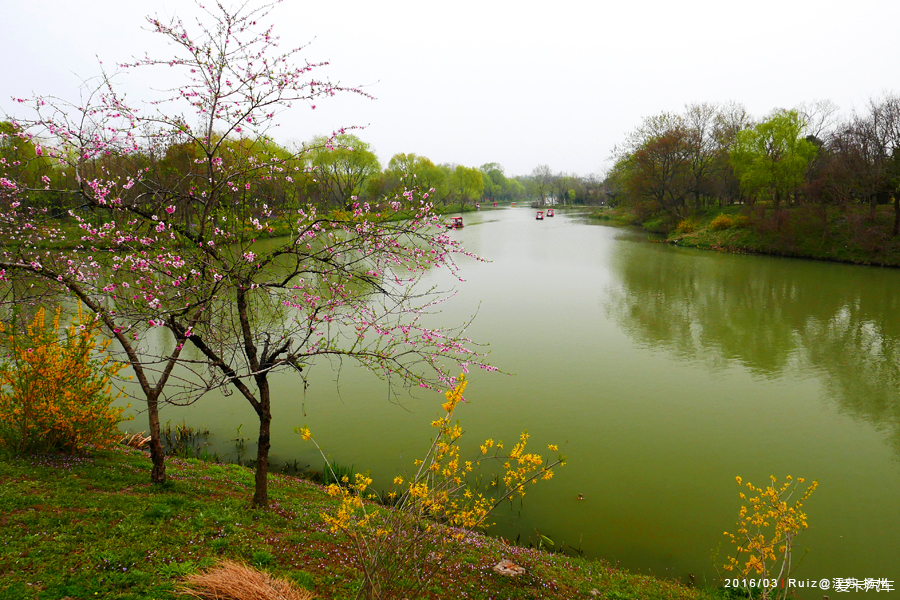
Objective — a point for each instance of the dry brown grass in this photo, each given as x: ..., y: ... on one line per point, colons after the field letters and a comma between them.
x: 135, y: 440
x: 233, y: 581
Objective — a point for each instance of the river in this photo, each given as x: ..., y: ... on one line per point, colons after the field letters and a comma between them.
x: 662, y: 373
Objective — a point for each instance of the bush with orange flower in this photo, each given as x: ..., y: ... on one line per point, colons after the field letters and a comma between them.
x: 55, y: 388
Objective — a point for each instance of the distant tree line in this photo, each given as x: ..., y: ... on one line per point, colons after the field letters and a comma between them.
x: 331, y: 172
x: 714, y: 155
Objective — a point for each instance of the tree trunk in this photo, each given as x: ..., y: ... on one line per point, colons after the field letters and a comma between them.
x: 261, y: 492
x: 157, y: 456
x: 896, y: 229
x: 824, y: 210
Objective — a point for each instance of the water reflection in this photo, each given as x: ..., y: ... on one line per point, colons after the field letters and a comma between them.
x: 770, y: 315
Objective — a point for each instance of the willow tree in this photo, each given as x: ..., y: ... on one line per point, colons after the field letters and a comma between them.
x: 771, y: 159
x: 342, y: 166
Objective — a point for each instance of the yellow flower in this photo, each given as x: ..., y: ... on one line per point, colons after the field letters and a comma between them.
x: 398, y: 480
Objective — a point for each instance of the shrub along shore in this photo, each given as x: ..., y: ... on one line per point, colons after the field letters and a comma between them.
x: 95, y: 527
x: 855, y: 236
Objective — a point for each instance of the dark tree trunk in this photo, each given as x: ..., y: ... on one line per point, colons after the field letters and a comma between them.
x: 157, y: 456
x: 896, y: 229
x: 264, y: 411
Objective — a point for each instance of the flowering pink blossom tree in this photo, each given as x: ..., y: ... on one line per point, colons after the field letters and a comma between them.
x: 188, y: 256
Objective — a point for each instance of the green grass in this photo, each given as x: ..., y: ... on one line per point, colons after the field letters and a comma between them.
x: 337, y: 472
x: 79, y: 528
x: 277, y: 226
x: 613, y: 216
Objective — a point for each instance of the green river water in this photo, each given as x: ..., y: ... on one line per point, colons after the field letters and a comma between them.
x: 662, y: 373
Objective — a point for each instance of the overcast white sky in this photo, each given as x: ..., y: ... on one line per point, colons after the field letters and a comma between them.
x: 521, y: 83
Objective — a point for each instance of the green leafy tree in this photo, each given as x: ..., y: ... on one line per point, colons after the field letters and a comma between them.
x: 731, y: 118
x: 563, y: 187
x: 342, y: 165
x: 466, y: 184
x: 514, y: 190
x: 23, y: 159
x: 412, y: 169
x: 495, y: 183
x: 771, y: 159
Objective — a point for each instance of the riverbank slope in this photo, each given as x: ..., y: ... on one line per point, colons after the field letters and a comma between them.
x: 847, y: 236
x: 95, y: 527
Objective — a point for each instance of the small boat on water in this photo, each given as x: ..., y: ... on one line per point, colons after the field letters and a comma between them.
x: 495, y: 205
x: 455, y: 223
x: 513, y: 204
x: 540, y: 215
x: 477, y: 206
x: 549, y: 212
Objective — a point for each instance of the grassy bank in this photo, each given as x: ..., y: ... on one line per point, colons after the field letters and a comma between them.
x: 848, y: 236
x: 79, y: 528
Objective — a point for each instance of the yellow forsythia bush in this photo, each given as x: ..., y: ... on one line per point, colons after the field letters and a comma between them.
x: 55, y: 388
x: 686, y: 226
x: 741, y: 221
x: 404, y: 549
x: 767, y: 529
x: 721, y: 222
